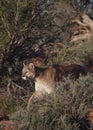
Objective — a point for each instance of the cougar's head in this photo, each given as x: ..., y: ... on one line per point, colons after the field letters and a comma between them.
x: 28, y: 71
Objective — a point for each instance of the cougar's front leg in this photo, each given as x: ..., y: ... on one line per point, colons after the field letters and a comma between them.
x: 37, y: 96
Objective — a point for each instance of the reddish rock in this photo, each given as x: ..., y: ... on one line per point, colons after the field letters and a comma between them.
x: 6, y: 124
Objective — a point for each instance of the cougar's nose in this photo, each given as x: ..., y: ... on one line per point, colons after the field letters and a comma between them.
x: 23, y: 77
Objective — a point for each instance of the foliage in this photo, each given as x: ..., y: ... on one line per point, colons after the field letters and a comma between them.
x: 22, y: 17
x: 41, y: 27
x: 20, y: 30
x: 21, y: 25
x: 85, y: 53
x: 66, y: 109
x: 23, y: 36
x: 7, y: 104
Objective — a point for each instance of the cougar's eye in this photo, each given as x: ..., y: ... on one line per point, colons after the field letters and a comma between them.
x: 26, y: 73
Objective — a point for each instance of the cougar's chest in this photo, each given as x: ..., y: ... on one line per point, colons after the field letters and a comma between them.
x: 44, y: 86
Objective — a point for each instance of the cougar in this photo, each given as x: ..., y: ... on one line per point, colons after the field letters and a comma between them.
x: 46, y: 78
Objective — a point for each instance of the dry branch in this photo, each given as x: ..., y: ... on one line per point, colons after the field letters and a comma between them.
x: 83, y: 30
x: 13, y: 88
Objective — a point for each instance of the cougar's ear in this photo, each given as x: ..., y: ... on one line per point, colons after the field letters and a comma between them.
x: 23, y: 64
x: 31, y: 66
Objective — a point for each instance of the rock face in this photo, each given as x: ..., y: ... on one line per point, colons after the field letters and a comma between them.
x: 6, y: 123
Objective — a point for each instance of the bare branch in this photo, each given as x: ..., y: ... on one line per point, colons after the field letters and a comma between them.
x: 84, y: 29
x: 80, y: 37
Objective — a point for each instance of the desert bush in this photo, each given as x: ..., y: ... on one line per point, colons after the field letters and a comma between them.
x: 11, y: 102
x: 65, y: 109
x: 7, y: 104
x: 75, y: 53
x: 85, y: 53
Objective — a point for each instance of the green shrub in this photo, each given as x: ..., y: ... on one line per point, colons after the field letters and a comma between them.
x: 85, y: 53
x: 63, y: 110
x: 7, y: 104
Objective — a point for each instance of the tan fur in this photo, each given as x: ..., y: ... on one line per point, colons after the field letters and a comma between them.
x: 46, y: 78
x: 37, y: 61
